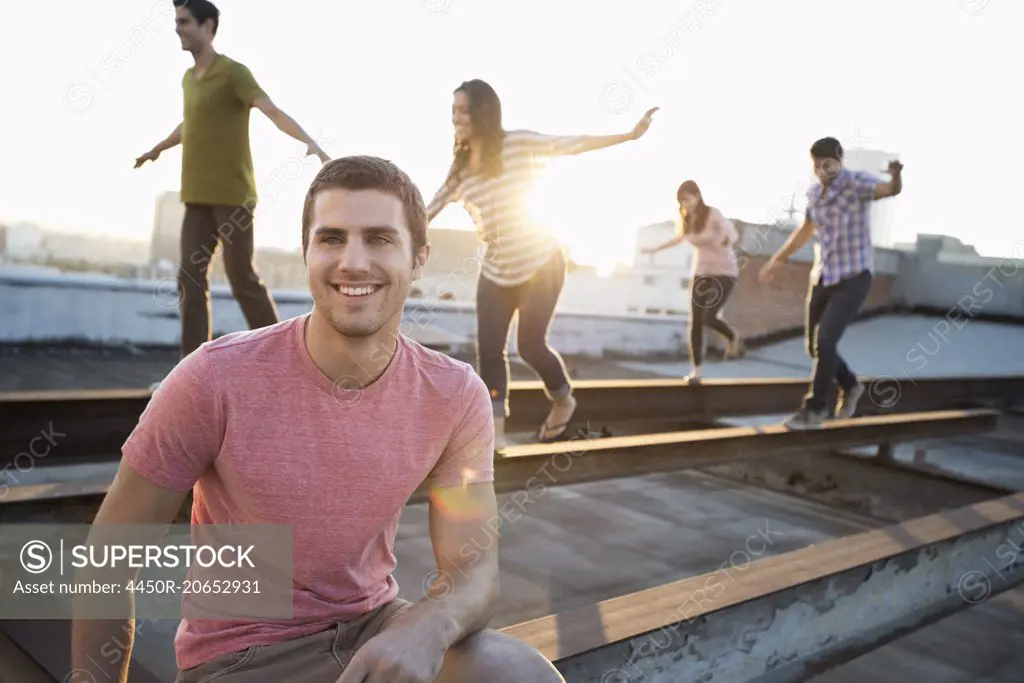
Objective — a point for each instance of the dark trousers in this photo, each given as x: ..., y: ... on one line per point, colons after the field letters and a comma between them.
x: 830, y: 310
x: 203, y: 228
x: 535, y: 301
x: 708, y: 293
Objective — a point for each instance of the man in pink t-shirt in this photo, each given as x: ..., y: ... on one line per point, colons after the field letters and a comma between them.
x: 328, y: 422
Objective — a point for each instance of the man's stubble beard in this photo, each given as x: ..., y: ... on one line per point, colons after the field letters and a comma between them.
x: 353, y: 330
x: 371, y: 325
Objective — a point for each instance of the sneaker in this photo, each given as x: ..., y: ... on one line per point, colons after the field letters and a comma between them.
x: 848, y: 402
x: 805, y: 418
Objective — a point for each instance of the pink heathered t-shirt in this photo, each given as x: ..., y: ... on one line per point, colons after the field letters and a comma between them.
x: 711, y: 256
x: 263, y: 436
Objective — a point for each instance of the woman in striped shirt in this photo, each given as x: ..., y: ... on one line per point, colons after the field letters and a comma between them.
x: 714, y: 271
x: 523, y: 268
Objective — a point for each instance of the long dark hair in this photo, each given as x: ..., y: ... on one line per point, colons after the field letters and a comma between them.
x: 697, y: 219
x: 485, y: 113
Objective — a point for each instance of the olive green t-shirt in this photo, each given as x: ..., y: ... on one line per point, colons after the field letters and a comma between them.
x: 216, y: 163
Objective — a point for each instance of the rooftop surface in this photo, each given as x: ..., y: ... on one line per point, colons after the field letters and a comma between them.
x: 650, y: 530
x: 902, y: 347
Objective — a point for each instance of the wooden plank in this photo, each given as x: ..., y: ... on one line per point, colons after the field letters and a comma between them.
x: 538, y: 466
x: 922, y: 420
x: 532, y: 467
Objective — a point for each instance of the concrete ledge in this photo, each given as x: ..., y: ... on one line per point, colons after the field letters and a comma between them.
x: 789, y: 617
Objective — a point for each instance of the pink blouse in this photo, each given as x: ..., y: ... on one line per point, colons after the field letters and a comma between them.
x: 711, y: 256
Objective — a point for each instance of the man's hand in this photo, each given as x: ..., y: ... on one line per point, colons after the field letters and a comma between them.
x: 407, y: 652
x: 894, y: 186
x: 644, y: 123
x: 151, y: 155
x: 767, y: 273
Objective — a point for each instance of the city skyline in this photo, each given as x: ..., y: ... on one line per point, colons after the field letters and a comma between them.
x: 113, y: 91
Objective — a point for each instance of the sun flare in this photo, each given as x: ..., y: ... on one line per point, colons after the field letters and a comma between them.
x: 564, y: 204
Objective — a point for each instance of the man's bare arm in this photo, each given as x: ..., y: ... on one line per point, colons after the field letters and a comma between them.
x: 458, y: 514
x: 796, y: 241
x: 286, y: 124
x: 889, y: 189
x: 170, y: 141
x: 894, y: 186
x: 167, y: 143
x: 458, y: 603
x: 131, y: 499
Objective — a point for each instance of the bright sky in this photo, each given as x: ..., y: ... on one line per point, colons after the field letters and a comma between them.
x: 744, y: 87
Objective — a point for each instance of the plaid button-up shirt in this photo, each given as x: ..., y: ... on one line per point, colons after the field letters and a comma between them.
x: 842, y: 216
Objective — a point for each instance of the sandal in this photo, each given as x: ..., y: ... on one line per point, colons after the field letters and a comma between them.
x: 544, y: 428
x: 559, y: 429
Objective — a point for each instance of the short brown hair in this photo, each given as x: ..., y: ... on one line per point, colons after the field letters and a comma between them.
x: 369, y: 173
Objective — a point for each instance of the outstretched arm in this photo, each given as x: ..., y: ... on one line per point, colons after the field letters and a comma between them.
x: 286, y: 124
x: 590, y: 143
x: 170, y: 141
x: 251, y: 94
x: 446, y: 194
x: 678, y: 239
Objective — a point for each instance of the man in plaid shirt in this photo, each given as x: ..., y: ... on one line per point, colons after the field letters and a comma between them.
x: 838, y: 209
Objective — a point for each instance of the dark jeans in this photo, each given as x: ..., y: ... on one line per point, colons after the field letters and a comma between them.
x: 203, y: 228
x: 708, y: 293
x: 535, y: 300
x: 830, y: 310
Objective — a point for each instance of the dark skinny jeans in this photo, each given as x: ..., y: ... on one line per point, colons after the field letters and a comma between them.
x: 708, y: 293
x: 535, y: 301
x: 830, y: 310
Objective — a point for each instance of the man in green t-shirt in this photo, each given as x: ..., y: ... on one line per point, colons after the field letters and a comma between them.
x: 218, y: 184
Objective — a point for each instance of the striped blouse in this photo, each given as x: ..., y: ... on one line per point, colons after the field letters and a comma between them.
x: 516, y: 247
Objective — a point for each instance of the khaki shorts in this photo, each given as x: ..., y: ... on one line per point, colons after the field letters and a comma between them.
x: 318, y: 657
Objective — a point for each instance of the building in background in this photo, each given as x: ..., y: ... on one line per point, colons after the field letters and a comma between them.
x: 75, y: 248
x: 23, y: 242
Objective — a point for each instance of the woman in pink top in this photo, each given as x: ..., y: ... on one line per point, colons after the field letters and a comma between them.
x: 714, y: 272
